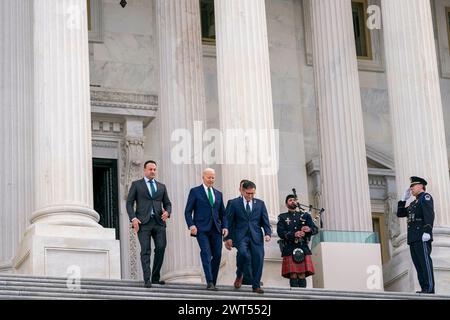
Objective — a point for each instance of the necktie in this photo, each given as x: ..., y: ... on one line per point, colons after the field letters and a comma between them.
x: 210, y: 197
x: 247, y: 208
x: 152, y: 186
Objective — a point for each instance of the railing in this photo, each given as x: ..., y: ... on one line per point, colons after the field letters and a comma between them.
x: 345, y: 236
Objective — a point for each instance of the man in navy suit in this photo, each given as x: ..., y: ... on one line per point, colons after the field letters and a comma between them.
x: 247, y: 217
x: 153, y: 208
x: 206, y: 219
x: 241, y: 278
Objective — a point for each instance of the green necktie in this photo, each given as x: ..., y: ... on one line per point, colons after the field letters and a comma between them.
x: 210, y: 197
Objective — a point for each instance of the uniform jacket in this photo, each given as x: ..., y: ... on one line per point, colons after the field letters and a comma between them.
x: 420, y: 215
x: 288, y: 224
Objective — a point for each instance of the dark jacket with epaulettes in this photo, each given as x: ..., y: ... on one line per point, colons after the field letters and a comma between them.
x: 420, y: 215
x: 288, y: 224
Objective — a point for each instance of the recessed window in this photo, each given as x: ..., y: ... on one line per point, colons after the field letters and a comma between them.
x: 94, y: 20
x: 447, y: 18
x: 89, y: 17
x: 362, y: 34
x: 207, y: 21
x: 379, y: 228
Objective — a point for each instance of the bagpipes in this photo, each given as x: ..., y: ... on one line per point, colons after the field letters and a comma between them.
x: 298, y: 254
x: 318, y: 218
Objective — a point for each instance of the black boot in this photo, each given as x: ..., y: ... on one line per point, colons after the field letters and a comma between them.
x: 293, y: 282
x: 302, y: 283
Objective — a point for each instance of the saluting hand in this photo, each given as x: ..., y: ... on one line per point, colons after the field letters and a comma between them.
x: 407, y: 194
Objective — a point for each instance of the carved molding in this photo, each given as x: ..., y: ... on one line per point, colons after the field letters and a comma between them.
x: 132, y: 150
x: 134, y: 255
x: 110, y: 127
x: 104, y: 144
x: 392, y: 221
x: 124, y: 100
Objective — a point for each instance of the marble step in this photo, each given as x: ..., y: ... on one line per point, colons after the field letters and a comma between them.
x: 18, y: 286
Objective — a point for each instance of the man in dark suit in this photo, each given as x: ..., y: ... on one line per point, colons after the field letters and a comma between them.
x: 153, y: 208
x: 206, y: 219
x: 246, y: 217
x: 241, y: 277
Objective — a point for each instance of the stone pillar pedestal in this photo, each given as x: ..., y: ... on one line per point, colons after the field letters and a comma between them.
x: 344, y: 177
x: 64, y: 234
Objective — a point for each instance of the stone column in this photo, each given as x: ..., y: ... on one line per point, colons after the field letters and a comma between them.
x: 343, y: 164
x: 246, y: 114
x: 182, y: 102
x: 345, y: 185
x: 62, y: 133
x: 418, y: 122
x: 62, y: 164
x: 245, y: 100
x: 16, y: 125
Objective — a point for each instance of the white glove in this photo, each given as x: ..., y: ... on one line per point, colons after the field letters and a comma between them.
x: 426, y: 237
x: 407, y: 194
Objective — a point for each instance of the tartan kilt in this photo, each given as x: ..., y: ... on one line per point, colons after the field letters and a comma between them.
x: 289, y: 266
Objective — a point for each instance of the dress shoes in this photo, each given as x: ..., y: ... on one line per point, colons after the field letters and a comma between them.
x: 210, y: 286
x: 258, y: 290
x: 238, y: 282
x: 147, y: 284
x: 159, y: 282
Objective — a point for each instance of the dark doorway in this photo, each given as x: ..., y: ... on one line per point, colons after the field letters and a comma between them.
x: 106, y: 192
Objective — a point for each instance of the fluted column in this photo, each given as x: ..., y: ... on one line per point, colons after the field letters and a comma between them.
x: 16, y: 124
x: 345, y: 186
x: 245, y: 100
x: 62, y: 115
x: 415, y: 98
x: 418, y: 130
x: 182, y: 102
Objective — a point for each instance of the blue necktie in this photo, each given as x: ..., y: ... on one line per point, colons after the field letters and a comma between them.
x: 247, y: 208
x: 152, y: 186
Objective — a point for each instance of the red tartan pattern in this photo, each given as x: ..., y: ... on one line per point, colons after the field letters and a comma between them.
x: 289, y: 266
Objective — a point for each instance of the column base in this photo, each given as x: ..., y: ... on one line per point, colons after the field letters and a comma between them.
x: 347, y: 266
x: 401, y: 276
x: 186, y: 276
x: 68, y: 251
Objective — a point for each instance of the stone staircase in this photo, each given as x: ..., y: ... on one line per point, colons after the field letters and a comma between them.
x: 19, y: 287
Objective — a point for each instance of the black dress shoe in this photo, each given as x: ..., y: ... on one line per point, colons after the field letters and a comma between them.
x: 148, y: 284
x: 258, y: 290
x: 159, y: 282
x: 211, y: 286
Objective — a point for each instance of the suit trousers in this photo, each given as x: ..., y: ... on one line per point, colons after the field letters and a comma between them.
x: 154, y: 230
x: 421, y: 257
x: 251, y: 258
x: 210, y: 243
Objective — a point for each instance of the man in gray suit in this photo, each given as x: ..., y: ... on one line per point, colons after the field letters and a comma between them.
x: 153, y: 208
